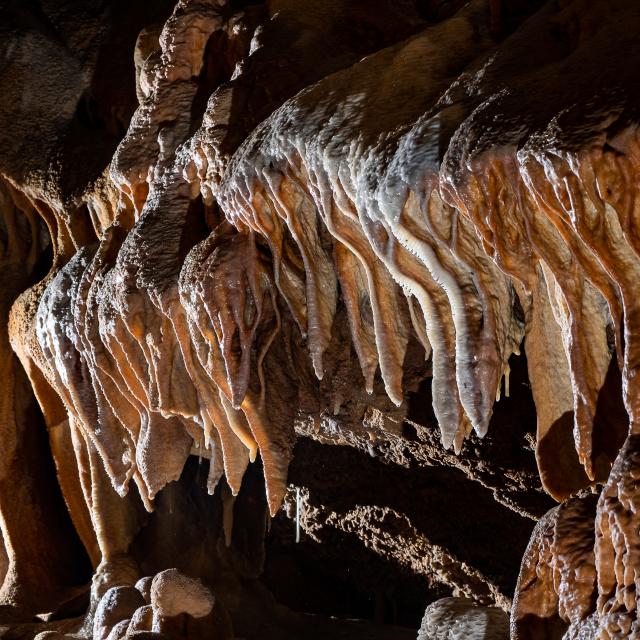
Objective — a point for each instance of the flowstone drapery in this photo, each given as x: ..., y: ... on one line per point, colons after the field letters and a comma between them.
x: 229, y: 229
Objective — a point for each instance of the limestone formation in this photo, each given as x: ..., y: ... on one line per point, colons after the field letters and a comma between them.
x: 291, y: 284
x: 454, y: 618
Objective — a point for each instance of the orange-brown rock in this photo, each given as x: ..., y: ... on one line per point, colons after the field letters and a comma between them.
x: 229, y: 228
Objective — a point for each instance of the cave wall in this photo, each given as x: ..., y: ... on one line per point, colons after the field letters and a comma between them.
x: 362, y: 273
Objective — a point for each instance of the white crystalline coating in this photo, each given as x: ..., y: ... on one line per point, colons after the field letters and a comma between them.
x: 462, y: 619
x: 173, y: 593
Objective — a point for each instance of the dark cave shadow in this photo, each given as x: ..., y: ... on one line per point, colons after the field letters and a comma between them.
x: 440, y: 502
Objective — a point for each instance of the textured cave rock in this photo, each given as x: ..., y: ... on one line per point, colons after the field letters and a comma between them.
x: 452, y: 618
x: 318, y: 315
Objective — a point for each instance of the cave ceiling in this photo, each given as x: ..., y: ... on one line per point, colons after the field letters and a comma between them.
x: 319, y: 319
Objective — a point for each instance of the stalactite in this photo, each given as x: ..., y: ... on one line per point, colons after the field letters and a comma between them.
x: 411, y: 184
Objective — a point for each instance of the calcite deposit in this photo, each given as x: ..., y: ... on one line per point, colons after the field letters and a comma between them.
x: 315, y: 315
